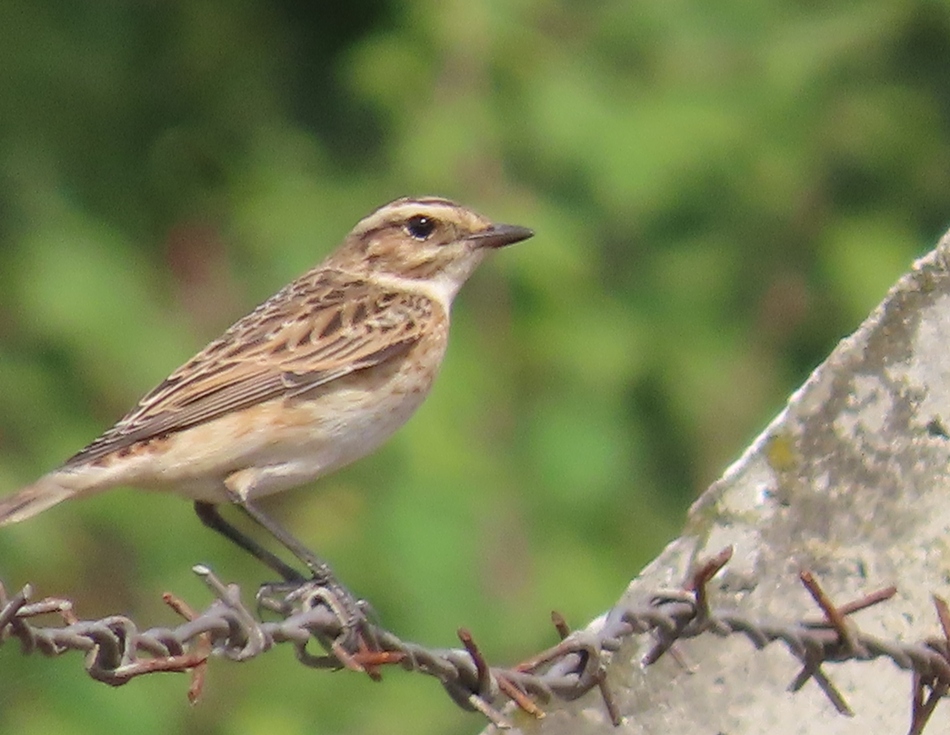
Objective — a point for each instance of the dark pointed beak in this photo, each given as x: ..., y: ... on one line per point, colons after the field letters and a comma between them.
x: 498, y: 236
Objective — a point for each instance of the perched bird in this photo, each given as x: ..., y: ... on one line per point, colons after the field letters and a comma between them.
x: 314, y: 378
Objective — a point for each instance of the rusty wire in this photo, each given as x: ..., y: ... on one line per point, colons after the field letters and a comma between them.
x: 117, y: 651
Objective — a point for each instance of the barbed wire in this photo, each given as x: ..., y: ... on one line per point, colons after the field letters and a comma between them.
x: 117, y: 651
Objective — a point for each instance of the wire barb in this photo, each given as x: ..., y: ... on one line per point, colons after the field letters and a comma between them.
x: 922, y: 709
x: 116, y: 651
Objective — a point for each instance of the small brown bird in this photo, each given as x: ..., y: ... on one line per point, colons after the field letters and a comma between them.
x: 314, y: 378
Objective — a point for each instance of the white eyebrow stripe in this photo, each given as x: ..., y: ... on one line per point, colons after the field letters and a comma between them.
x: 403, y: 209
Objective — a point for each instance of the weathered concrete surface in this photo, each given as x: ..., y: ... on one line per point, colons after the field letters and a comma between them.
x: 850, y: 481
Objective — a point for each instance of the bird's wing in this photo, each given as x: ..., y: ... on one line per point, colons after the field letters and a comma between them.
x: 316, y: 330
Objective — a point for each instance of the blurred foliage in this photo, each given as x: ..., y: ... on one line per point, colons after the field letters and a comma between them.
x: 720, y: 191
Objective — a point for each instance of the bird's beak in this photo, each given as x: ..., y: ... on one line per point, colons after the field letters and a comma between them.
x: 498, y: 236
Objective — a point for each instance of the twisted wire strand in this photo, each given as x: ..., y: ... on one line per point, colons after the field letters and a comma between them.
x: 117, y: 651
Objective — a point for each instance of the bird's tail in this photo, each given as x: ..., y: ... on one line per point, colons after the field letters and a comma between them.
x: 32, y: 499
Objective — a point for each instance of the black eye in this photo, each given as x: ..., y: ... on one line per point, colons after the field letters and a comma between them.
x: 420, y: 226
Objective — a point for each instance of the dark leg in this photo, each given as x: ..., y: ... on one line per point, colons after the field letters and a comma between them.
x: 322, y: 574
x: 210, y: 516
x: 343, y: 602
x: 340, y: 599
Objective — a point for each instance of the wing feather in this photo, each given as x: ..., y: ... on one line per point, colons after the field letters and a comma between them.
x: 318, y: 329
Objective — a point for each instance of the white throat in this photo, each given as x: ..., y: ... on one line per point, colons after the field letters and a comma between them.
x: 441, y: 290
x: 443, y: 287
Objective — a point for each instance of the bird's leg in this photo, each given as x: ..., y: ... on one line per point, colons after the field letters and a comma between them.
x: 348, y: 608
x: 210, y: 516
x: 323, y: 584
x: 240, y: 486
x: 321, y: 572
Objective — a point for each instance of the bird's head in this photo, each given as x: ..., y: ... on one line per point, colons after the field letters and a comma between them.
x: 433, y: 243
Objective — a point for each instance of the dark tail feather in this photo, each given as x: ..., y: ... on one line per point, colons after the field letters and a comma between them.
x: 33, y: 499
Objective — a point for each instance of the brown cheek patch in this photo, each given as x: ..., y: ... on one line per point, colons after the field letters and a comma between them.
x: 424, y: 268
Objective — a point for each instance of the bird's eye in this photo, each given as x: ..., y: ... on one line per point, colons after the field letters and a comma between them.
x: 420, y: 227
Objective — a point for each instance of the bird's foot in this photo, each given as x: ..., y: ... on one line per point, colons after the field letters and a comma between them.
x: 356, y: 634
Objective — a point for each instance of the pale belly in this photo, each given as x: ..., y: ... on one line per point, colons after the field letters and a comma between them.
x: 279, y: 447
x: 279, y: 444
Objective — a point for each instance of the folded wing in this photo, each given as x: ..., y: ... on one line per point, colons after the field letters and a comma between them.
x: 316, y: 330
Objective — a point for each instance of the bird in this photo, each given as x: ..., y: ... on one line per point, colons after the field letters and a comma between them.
x: 316, y: 377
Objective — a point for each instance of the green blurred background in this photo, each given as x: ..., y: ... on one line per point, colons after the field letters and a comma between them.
x: 720, y: 192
